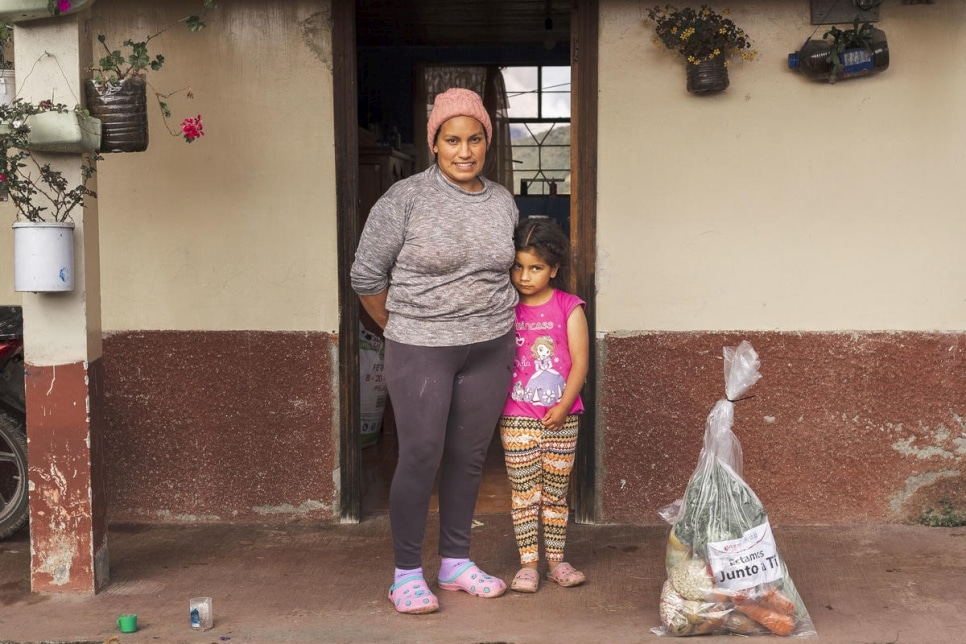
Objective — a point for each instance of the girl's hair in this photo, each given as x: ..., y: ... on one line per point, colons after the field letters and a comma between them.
x: 545, y: 238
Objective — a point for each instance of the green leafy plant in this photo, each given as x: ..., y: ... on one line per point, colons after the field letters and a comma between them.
x: 947, y: 517
x: 699, y: 34
x: 116, y: 66
x: 39, y: 192
x: 842, y: 40
x: 6, y: 37
x: 718, y: 506
x: 134, y: 59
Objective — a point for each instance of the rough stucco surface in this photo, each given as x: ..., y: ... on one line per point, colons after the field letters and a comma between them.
x: 843, y: 428
x: 218, y: 426
x: 68, y: 530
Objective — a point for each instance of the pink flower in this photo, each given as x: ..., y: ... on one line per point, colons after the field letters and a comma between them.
x: 3, y: 178
x: 192, y: 129
x: 63, y: 5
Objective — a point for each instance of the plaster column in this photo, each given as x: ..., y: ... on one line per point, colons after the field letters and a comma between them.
x: 62, y: 343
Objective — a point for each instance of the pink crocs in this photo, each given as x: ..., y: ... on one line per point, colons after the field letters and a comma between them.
x: 411, y: 595
x: 469, y: 578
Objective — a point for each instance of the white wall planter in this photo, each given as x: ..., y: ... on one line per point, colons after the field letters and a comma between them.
x: 24, y: 10
x: 43, y: 256
x: 7, y: 86
x: 63, y: 132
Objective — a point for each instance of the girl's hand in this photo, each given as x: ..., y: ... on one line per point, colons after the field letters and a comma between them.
x: 555, y: 417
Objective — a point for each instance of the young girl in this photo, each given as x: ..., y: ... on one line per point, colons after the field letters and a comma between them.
x: 538, y: 428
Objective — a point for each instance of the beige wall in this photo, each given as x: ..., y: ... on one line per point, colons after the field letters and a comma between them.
x: 237, y: 230
x: 783, y: 203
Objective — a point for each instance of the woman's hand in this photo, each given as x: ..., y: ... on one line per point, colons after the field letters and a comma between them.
x: 375, y: 306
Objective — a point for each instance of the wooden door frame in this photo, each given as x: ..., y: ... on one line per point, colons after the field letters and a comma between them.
x: 583, y: 225
x: 584, y: 47
x: 348, y: 229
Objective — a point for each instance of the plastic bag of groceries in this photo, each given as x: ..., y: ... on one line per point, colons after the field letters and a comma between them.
x: 724, y: 572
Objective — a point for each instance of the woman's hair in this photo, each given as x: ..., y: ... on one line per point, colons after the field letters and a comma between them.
x: 545, y: 238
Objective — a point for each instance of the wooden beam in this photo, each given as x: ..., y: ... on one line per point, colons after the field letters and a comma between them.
x: 348, y: 231
x: 585, y: 22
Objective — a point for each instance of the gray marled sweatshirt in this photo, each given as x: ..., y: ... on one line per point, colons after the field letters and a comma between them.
x: 449, y: 254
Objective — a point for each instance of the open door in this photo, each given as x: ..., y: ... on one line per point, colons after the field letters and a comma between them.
x: 407, y: 28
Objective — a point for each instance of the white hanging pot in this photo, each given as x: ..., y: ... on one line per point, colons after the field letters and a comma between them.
x: 7, y: 88
x: 63, y: 132
x: 24, y: 10
x: 43, y: 256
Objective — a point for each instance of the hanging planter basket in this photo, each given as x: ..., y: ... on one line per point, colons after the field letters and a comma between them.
x: 708, y: 76
x: 63, y: 132
x: 123, y: 113
x: 43, y: 256
x: 25, y: 10
x: 8, y: 89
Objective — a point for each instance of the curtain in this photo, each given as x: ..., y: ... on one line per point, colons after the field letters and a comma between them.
x: 487, y: 81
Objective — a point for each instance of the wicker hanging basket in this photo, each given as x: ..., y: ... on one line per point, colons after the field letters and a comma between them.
x: 123, y: 112
x: 708, y: 76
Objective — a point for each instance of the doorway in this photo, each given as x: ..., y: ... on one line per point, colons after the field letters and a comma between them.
x: 374, y: 43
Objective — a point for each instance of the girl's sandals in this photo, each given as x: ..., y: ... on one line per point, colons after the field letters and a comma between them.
x: 412, y: 595
x: 566, y: 575
x: 525, y: 581
x: 469, y: 578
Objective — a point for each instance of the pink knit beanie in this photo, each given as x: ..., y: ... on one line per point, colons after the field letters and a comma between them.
x: 457, y: 102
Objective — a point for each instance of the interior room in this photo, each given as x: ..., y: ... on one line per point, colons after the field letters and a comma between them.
x: 516, y: 54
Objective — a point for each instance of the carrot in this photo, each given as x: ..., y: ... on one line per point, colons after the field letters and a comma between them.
x: 776, y: 601
x: 777, y: 623
x: 726, y: 595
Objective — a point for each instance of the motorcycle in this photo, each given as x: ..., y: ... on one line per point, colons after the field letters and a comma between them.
x: 13, y: 424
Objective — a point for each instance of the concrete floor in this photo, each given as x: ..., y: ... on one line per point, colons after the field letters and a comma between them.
x: 881, y: 584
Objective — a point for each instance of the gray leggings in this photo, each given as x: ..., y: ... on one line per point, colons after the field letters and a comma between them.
x: 447, y: 402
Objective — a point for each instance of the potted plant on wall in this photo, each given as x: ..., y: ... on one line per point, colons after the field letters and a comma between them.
x: 843, y: 53
x: 25, y: 10
x: 7, y: 81
x: 706, y: 39
x: 43, y: 197
x: 14, y: 11
x: 117, y: 93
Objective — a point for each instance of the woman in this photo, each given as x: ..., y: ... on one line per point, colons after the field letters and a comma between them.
x: 433, y: 269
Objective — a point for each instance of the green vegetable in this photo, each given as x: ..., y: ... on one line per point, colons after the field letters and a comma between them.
x: 718, y: 506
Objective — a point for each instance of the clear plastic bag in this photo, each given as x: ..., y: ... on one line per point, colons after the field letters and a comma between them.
x: 725, y: 575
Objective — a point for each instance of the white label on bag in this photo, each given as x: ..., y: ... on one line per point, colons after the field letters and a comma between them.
x: 746, y: 562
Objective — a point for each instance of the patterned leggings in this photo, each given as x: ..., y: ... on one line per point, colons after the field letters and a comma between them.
x: 539, y: 462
